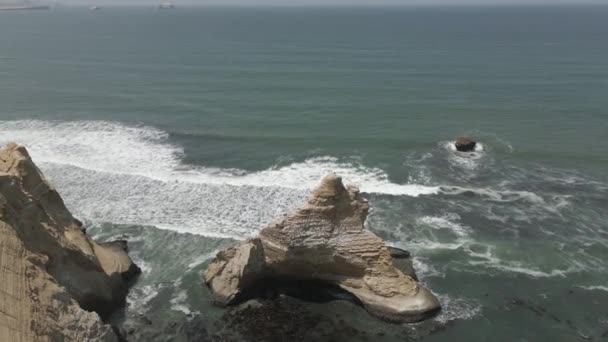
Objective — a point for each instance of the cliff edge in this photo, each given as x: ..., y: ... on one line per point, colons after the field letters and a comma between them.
x: 55, y: 282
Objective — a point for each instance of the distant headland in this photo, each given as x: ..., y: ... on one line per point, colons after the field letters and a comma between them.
x: 22, y: 6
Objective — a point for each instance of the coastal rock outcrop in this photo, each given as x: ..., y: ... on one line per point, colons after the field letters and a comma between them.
x: 464, y: 144
x: 325, y: 241
x: 55, y: 282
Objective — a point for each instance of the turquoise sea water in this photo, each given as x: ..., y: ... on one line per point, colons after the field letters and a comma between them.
x: 189, y: 129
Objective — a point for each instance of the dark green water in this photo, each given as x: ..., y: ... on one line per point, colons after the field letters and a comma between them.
x: 188, y: 129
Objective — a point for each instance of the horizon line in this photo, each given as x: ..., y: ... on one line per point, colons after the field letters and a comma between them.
x: 268, y: 5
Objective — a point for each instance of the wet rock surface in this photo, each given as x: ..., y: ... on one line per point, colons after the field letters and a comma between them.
x: 464, y: 144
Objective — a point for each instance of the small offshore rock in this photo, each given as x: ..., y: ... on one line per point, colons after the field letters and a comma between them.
x: 464, y: 144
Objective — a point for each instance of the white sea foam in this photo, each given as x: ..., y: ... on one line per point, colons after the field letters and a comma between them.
x: 451, y: 145
x: 423, y: 238
x: 484, y: 255
x: 145, y: 151
x: 111, y: 172
x: 495, y: 195
x: 467, y: 160
x: 201, y: 259
x: 144, y: 266
x: 595, y: 288
x: 457, y: 309
x: 139, y: 297
x: 434, y: 245
x: 530, y: 271
x: 480, y: 255
x: 222, y: 211
x: 424, y: 269
x: 447, y: 221
x: 179, y: 302
x: 96, y: 145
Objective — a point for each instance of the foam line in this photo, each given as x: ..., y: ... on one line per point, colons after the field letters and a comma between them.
x: 146, y: 151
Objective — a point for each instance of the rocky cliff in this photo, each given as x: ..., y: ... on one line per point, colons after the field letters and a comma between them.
x: 55, y: 282
x: 326, y: 242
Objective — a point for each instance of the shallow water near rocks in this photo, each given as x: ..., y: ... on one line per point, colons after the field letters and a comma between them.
x: 187, y: 131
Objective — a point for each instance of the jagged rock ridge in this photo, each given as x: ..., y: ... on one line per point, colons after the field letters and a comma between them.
x: 324, y: 241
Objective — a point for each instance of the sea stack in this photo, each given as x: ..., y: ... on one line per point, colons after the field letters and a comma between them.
x: 56, y: 283
x: 464, y: 144
x: 325, y: 241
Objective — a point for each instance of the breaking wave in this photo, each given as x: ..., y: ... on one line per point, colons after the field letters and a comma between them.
x: 111, y: 172
x: 595, y: 288
x: 145, y: 151
x: 130, y: 174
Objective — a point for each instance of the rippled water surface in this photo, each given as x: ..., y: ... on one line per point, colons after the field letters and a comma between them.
x: 185, y: 131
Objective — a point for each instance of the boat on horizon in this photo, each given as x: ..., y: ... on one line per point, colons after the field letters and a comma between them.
x: 166, y: 5
x: 95, y: 8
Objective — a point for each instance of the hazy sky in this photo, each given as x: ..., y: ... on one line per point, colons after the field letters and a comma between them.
x: 338, y: 2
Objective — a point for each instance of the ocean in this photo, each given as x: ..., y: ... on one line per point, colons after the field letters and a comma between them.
x: 188, y: 130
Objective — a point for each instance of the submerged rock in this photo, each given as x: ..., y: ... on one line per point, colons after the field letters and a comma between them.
x: 325, y: 241
x: 283, y: 319
x: 403, y: 261
x: 55, y: 281
x: 179, y: 329
x: 464, y: 144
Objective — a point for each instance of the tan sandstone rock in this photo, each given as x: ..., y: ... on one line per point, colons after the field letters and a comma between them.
x: 324, y: 241
x: 52, y: 276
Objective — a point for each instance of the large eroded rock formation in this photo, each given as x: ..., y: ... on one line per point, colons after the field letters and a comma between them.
x: 324, y: 241
x: 54, y: 280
